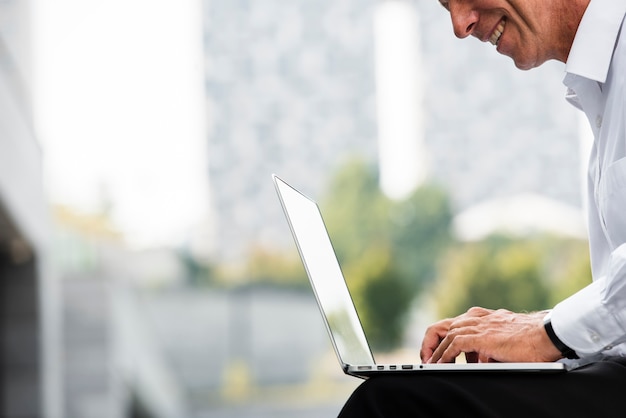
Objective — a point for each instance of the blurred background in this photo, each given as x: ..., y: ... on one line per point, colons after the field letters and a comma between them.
x: 145, y: 263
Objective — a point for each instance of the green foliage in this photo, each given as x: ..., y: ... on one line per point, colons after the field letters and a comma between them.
x: 415, y: 231
x: 420, y: 231
x: 388, y: 249
x: 571, y: 270
x: 355, y: 211
x: 382, y: 298
x: 519, y: 275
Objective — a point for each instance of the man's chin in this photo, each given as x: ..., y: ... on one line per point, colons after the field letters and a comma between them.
x: 525, y: 64
x: 524, y: 67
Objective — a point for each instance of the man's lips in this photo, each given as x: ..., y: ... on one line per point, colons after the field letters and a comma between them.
x: 497, y: 32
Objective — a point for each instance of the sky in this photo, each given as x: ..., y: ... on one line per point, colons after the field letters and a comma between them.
x: 119, y: 110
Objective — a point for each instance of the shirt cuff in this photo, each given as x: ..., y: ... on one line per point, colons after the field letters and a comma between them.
x: 581, y: 321
x: 594, y: 319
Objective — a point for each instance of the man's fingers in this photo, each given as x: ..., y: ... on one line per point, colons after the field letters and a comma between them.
x: 441, y: 342
x: 442, y: 348
x: 439, y: 335
x: 489, y: 335
x: 447, y: 351
x: 432, y: 338
x: 458, y: 340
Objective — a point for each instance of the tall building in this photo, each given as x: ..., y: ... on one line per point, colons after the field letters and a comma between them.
x: 292, y: 90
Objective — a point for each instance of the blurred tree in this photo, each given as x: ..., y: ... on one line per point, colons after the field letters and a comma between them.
x: 570, y: 269
x: 381, y: 296
x: 516, y: 274
x: 356, y: 211
x: 387, y: 248
x: 420, y: 231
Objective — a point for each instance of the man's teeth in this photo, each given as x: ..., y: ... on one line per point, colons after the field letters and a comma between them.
x: 495, y: 36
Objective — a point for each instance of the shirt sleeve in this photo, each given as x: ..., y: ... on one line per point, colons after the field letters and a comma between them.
x: 594, y: 319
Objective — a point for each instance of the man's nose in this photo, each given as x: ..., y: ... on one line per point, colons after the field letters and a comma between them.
x: 464, y: 19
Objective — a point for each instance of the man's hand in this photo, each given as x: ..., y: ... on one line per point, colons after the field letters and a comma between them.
x: 486, y: 335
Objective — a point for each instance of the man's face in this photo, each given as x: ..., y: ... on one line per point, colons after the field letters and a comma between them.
x: 525, y: 30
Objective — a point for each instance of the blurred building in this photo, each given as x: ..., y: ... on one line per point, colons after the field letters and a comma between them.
x: 292, y: 90
x: 139, y: 343
x: 29, y: 353
x: 112, y: 366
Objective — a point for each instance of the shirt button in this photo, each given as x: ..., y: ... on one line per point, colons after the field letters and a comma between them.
x: 595, y: 338
x: 599, y: 121
x: 608, y: 347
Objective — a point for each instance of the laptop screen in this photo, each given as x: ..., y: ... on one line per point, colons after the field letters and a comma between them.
x: 322, y: 267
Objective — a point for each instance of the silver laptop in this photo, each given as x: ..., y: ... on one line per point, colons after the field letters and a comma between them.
x: 336, y: 305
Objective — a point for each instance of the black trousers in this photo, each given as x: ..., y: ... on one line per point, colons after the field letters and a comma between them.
x: 595, y: 390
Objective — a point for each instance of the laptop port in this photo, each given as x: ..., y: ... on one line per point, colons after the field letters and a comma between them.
x: 407, y: 367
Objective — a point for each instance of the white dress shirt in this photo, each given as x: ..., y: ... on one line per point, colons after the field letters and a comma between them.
x: 593, y: 321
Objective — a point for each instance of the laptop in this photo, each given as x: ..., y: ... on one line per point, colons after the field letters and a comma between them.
x: 336, y: 305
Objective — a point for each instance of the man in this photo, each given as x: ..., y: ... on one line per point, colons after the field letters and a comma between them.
x: 589, y: 326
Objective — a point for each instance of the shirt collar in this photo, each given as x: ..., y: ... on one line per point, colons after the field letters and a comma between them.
x: 595, y: 39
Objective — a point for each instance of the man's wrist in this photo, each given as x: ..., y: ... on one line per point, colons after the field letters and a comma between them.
x: 566, y: 351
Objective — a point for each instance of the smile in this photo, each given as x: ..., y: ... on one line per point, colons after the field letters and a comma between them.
x: 497, y: 33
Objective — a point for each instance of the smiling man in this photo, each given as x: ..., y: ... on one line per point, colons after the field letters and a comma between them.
x: 531, y: 32
x: 588, y: 329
